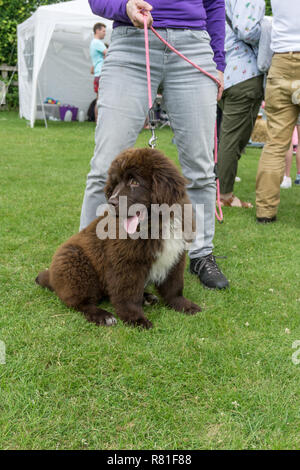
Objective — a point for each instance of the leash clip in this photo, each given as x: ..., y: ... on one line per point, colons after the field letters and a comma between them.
x: 153, y: 138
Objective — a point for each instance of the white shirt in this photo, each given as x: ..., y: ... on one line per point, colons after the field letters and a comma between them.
x: 286, y: 25
x: 241, y: 42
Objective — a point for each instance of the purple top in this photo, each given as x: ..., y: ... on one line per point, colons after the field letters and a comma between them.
x: 184, y: 14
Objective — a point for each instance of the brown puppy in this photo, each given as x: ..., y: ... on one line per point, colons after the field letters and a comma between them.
x: 89, y: 267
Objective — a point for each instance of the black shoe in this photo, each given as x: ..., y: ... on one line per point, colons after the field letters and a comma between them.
x: 266, y: 220
x: 208, y: 272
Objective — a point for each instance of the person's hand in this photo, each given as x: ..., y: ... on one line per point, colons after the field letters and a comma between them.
x: 135, y: 9
x: 221, y: 88
x: 92, y: 70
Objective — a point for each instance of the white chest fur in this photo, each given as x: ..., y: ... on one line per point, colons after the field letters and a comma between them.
x: 166, y: 259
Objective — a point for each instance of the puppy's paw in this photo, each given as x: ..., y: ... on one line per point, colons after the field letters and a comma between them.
x: 150, y: 299
x: 110, y: 320
x: 102, y: 320
x: 144, y: 323
x: 191, y: 308
x: 141, y: 322
x: 181, y: 304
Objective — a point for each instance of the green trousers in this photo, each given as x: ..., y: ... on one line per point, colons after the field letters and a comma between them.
x: 240, y: 105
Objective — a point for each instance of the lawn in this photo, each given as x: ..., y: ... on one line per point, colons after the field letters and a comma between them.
x: 223, y: 379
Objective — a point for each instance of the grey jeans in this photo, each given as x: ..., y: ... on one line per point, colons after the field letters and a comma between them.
x: 190, y: 99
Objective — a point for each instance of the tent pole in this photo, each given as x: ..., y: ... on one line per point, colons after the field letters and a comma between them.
x: 42, y: 103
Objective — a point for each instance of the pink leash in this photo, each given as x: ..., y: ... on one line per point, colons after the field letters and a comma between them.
x: 150, y: 103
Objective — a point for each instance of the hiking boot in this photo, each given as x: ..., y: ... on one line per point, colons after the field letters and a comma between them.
x: 208, y: 272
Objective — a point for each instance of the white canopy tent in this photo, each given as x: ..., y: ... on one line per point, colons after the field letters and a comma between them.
x: 53, y: 56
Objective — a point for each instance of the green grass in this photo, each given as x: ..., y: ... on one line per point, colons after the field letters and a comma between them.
x: 223, y: 379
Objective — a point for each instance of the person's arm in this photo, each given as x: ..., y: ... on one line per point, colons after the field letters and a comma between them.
x: 215, y: 23
x: 122, y: 10
x: 246, y: 19
x: 100, y: 46
x: 110, y: 9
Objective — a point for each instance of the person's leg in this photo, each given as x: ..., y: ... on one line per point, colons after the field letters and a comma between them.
x: 289, y: 160
x: 287, y: 181
x: 190, y: 99
x: 282, y: 116
x: 122, y: 108
x: 219, y: 122
x: 96, y: 109
x: 297, y: 181
x: 96, y: 89
x: 240, y: 105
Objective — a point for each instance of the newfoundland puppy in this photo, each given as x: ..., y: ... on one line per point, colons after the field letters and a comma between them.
x: 117, y: 255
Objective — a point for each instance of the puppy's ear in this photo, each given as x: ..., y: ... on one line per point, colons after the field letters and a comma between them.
x: 110, y: 185
x: 168, y: 185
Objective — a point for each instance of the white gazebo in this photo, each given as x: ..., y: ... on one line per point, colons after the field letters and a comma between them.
x: 53, y: 57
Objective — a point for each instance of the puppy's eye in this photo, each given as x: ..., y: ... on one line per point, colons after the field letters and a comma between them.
x: 134, y: 183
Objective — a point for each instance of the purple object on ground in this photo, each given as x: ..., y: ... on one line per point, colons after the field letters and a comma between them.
x: 66, y: 107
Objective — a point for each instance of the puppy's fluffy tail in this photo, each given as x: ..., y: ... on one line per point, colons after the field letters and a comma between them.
x: 43, y: 279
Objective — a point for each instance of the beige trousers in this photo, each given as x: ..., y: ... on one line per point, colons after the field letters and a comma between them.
x: 282, y: 115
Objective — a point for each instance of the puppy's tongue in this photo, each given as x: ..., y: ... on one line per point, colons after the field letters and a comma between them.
x: 131, y: 223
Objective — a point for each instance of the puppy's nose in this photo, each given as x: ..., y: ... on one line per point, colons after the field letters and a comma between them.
x: 113, y: 201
